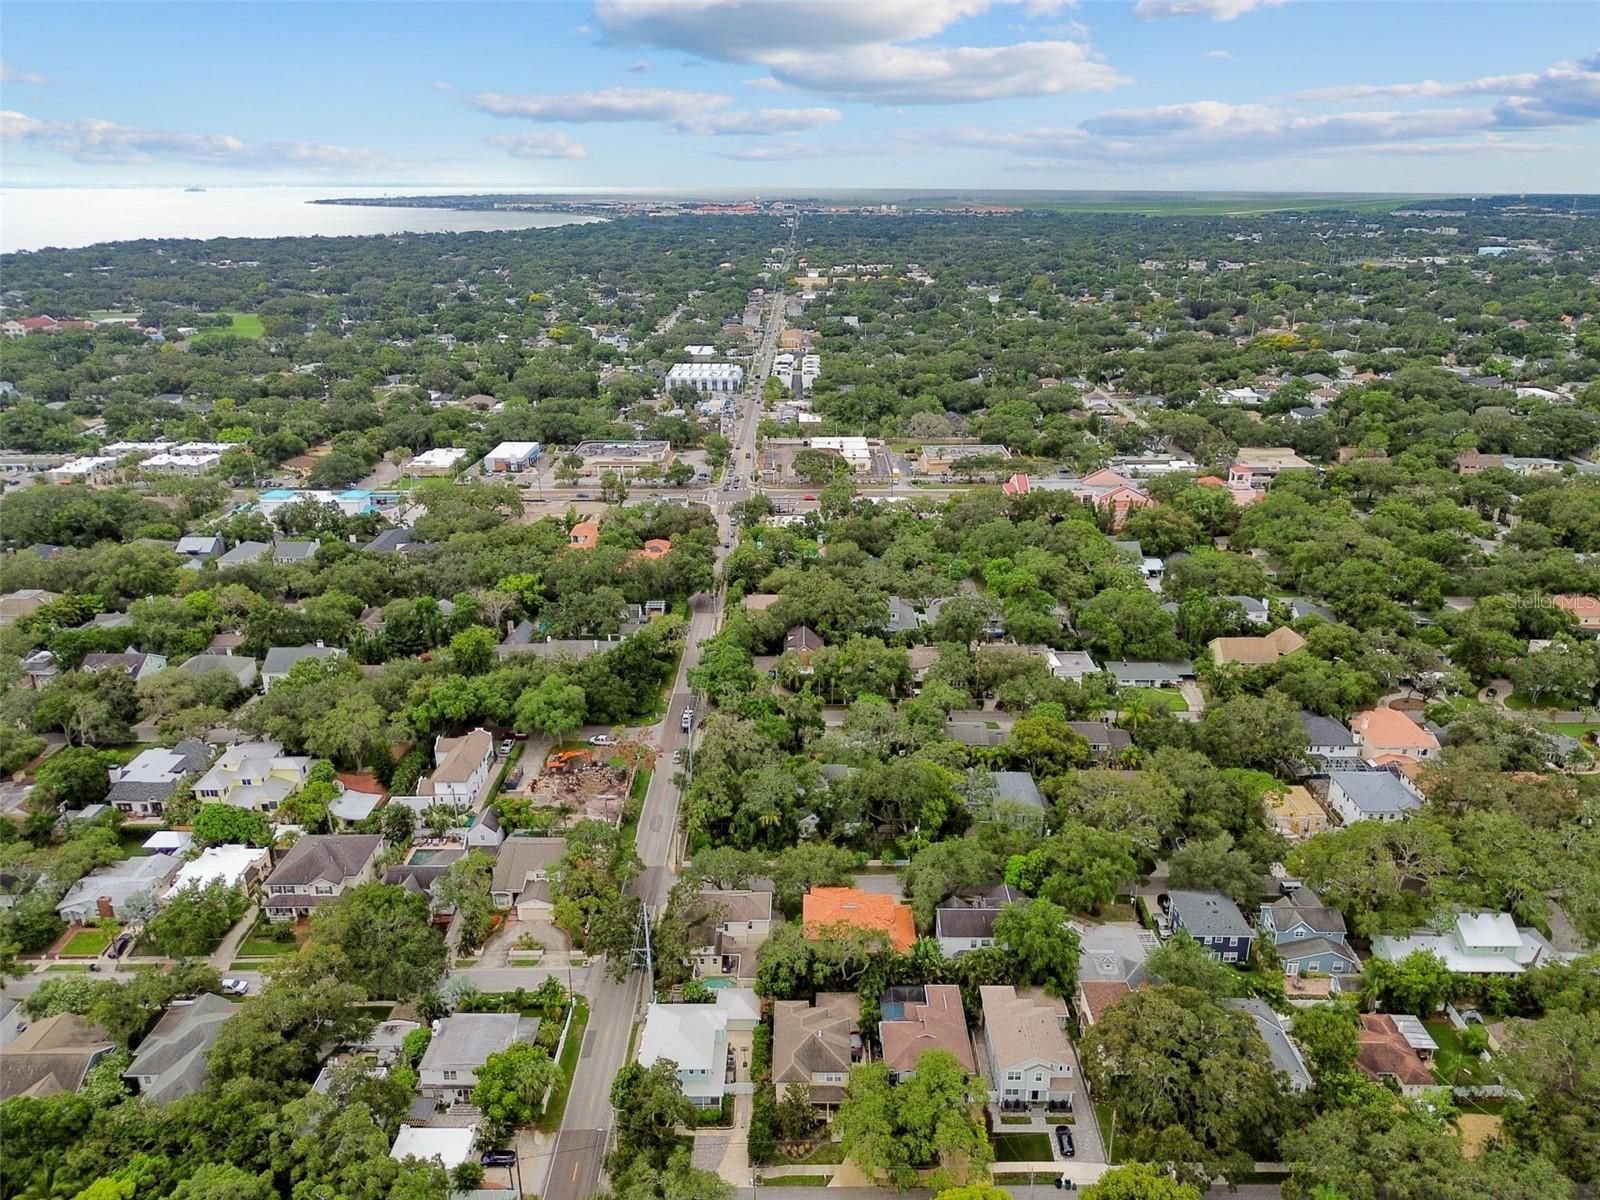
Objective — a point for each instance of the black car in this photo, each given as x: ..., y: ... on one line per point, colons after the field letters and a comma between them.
x: 1064, y: 1141
x: 499, y: 1158
x: 119, y: 945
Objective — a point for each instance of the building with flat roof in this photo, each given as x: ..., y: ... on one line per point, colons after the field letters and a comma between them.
x: 706, y: 377
x: 940, y: 457
x: 441, y: 460
x: 352, y: 502
x: 1475, y: 943
x: 622, y: 456
x: 510, y: 457
x: 857, y: 451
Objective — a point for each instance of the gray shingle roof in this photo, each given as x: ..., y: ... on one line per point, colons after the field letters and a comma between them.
x: 175, y: 1051
x: 1376, y: 793
x: 330, y: 856
x: 1209, y: 914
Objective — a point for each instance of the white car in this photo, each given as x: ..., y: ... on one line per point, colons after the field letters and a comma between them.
x: 602, y: 739
x: 235, y: 987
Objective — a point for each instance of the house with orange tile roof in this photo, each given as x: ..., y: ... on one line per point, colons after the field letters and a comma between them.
x: 918, y: 1018
x: 1388, y: 731
x: 1585, y: 608
x: 871, y: 912
x: 655, y: 548
x: 585, y: 535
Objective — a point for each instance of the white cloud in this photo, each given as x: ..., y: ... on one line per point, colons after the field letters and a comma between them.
x: 440, y: 85
x: 683, y: 112
x: 551, y: 144
x: 763, y: 121
x: 764, y: 83
x: 804, y: 151
x: 608, y: 104
x: 1226, y: 55
x: 10, y: 74
x: 96, y: 141
x: 1568, y: 90
x: 1216, y: 10
x: 855, y: 49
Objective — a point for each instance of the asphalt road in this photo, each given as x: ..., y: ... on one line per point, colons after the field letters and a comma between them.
x: 575, y: 1165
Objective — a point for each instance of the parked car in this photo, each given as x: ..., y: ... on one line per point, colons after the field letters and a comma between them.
x: 677, y: 755
x: 119, y: 946
x: 514, y: 779
x: 235, y: 987
x: 505, y: 748
x: 1064, y: 1141
x: 688, y: 719
x: 498, y: 1158
x: 602, y: 739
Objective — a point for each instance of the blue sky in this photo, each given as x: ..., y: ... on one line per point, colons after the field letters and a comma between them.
x: 1319, y: 95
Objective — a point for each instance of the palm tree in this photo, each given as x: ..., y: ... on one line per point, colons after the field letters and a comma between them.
x: 1135, y: 712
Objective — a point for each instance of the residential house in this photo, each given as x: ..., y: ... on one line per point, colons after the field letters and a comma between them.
x: 450, y: 1146
x: 1388, y: 731
x: 1257, y: 466
x: 318, y: 869
x: 360, y: 795
x: 802, y: 643
x: 1010, y: 795
x: 709, y: 1043
x: 463, y: 1042
x: 1371, y: 796
x: 137, y: 666
x: 200, y: 547
x: 1025, y: 1041
x: 51, y: 1056
x: 585, y: 535
x: 815, y: 1044
x: 232, y: 866
x: 401, y: 540
x: 243, y: 555
x: 1329, y: 743
x: 1150, y: 674
x: 1111, y: 963
x: 117, y: 890
x: 1386, y: 1054
x: 255, y: 775
x: 1294, y: 812
x: 1475, y: 943
x: 141, y: 788
x: 1584, y: 609
x: 521, y: 879
x: 171, y: 1061
x: 281, y: 660
x: 1308, y: 935
x: 461, y: 768
x: 873, y: 912
x: 242, y: 669
x: 1285, y: 1055
x: 1215, y: 922
x: 1256, y: 651
x: 965, y: 921
x: 1106, y: 741
x: 24, y: 603
x: 293, y: 554
x: 1069, y: 664
x: 1475, y: 462
x: 918, y: 1018
x: 727, y: 928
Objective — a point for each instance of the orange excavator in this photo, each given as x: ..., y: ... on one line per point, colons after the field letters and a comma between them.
x: 567, y: 760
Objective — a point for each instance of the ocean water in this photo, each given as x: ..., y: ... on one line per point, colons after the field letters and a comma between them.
x: 32, y: 218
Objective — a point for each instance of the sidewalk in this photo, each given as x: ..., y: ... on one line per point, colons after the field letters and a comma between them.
x: 225, y: 953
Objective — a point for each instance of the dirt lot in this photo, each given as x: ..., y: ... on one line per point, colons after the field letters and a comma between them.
x: 594, y: 791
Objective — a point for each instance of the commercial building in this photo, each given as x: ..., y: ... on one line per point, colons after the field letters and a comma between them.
x: 857, y: 451
x: 937, y: 459
x: 352, y: 502
x: 441, y: 460
x: 706, y: 377
x: 511, y: 457
x: 178, y: 463
x: 622, y: 457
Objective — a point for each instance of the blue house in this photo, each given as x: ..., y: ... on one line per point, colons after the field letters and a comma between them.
x: 1215, y: 922
x: 1309, y: 936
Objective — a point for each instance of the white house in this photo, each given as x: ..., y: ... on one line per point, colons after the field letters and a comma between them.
x: 1477, y: 943
x: 449, y: 1146
x: 232, y: 866
x: 1025, y: 1038
x: 462, y: 1043
x: 461, y: 767
x: 699, y: 1039
x: 1371, y: 796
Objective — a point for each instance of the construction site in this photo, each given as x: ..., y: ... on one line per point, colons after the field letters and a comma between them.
x: 581, y: 786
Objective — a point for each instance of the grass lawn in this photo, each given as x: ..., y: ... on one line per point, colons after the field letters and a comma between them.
x: 1102, y: 1115
x: 68, y: 968
x: 1574, y: 729
x: 1452, y: 1065
x: 87, y: 943
x: 550, y: 1120
x: 825, y: 1152
x: 797, y: 1181
x: 641, y: 785
x: 1022, y: 1147
x: 244, y: 325
x: 1157, y: 698
x: 259, y: 943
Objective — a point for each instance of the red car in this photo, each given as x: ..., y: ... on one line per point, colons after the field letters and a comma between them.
x: 808, y: 497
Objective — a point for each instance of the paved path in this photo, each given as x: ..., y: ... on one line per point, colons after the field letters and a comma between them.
x: 228, y: 950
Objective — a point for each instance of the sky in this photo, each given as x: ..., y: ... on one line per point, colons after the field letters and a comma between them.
x: 1222, y: 95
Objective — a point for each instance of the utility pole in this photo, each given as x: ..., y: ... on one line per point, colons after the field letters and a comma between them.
x: 642, y: 955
